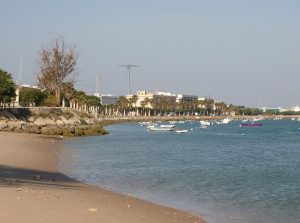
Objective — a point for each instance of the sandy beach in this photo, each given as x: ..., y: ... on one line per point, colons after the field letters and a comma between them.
x: 32, y: 190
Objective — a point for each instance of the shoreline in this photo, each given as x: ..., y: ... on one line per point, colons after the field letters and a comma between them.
x: 33, y: 190
x: 109, y: 120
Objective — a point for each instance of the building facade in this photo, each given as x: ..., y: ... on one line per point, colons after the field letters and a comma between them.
x: 108, y: 99
x: 185, y: 97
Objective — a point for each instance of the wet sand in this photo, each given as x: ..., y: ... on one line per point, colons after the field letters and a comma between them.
x: 33, y: 191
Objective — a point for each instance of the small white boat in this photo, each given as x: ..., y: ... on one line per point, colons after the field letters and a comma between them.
x: 167, y: 126
x: 151, y: 126
x: 205, y: 122
x: 226, y: 121
x: 203, y: 126
x: 181, y: 131
x: 160, y: 129
x: 145, y: 123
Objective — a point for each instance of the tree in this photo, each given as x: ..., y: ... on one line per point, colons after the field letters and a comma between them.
x: 122, y: 104
x: 7, y: 88
x: 92, y: 100
x: 56, y: 64
x: 68, y: 92
x: 32, y: 96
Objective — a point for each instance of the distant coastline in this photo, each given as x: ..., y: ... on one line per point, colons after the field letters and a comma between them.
x: 69, y: 122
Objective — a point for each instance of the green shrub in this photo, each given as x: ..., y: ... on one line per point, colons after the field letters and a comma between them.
x: 32, y: 96
x: 50, y: 101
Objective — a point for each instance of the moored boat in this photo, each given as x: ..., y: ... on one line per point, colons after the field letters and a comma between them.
x: 205, y: 122
x: 160, y: 129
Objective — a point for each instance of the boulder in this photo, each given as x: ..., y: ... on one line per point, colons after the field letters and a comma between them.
x: 63, y: 119
x: 3, y: 124
x: 49, y: 121
x: 59, y: 122
x: 68, y: 131
x: 40, y: 122
x: 79, y: 131
x: 30, y: 119
x: 51, y: 130
x: 14, y: 125
x: 7, y: 115
x: 30, y: 128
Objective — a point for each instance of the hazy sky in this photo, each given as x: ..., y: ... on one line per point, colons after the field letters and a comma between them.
x: 241, y: 52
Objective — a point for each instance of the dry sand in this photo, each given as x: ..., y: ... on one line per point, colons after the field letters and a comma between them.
x: 33, y: 191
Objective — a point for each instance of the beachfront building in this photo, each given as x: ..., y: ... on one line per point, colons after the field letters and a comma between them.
x: 272, y: 110
x: 108, y: 99
x: 185, y: 97
x: 142, y: 96
x: 295, y: 109
x: 165, y: 96
x: 149, y: 96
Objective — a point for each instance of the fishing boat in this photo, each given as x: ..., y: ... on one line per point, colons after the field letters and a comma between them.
x: 181, y: 131
x: 167, y: 126
x: 205, y: 122
x: 203, y: 126
x: 160, y: 129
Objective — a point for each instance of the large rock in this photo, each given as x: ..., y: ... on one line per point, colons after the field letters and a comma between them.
x: 30, y: 128
x: 40, y: 122
x: 74, y: 121
x: 5, y: 114
x: 79, y: 130
x: 68, y: 131
x: 30, y: 119
x: 59, y: 122
x: 50, y: 121
x: 51, y: 130
x: 14, y: 125
x: 3, y: 124
x: 63, y: 119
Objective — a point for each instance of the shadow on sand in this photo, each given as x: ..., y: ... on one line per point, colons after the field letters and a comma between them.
x: 12, y: 176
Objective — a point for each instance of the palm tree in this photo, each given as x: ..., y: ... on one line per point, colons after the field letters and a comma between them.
x: 143, y: 105
x: 132, y: 102
x: 147, y: 103
x: 122, y: 104
x: 68, y: 91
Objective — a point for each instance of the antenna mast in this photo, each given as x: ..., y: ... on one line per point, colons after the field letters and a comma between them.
x: 97, y: 86
x: 128, y: 67
x: 20, y: 72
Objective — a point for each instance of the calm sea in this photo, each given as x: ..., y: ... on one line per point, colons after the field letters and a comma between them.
x: 226, y: 173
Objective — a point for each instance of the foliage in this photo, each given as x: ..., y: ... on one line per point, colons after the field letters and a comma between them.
x: 290, y: 113
x: 32, y: 96
x: 92, y: 100
x: 56, y: 64
x: 250, y: 111
x: 50, y: 101
x: 7, y: 87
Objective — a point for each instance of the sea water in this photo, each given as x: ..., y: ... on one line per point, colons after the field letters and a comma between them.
x: 225, y: 173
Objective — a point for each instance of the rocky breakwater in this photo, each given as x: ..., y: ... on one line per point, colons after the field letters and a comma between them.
x: 49, y: 121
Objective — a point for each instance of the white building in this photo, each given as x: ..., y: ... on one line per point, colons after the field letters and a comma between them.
x: 184, y: 97
x: 108, y: 99
x: 158, y: 96
x: 296, y: 108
